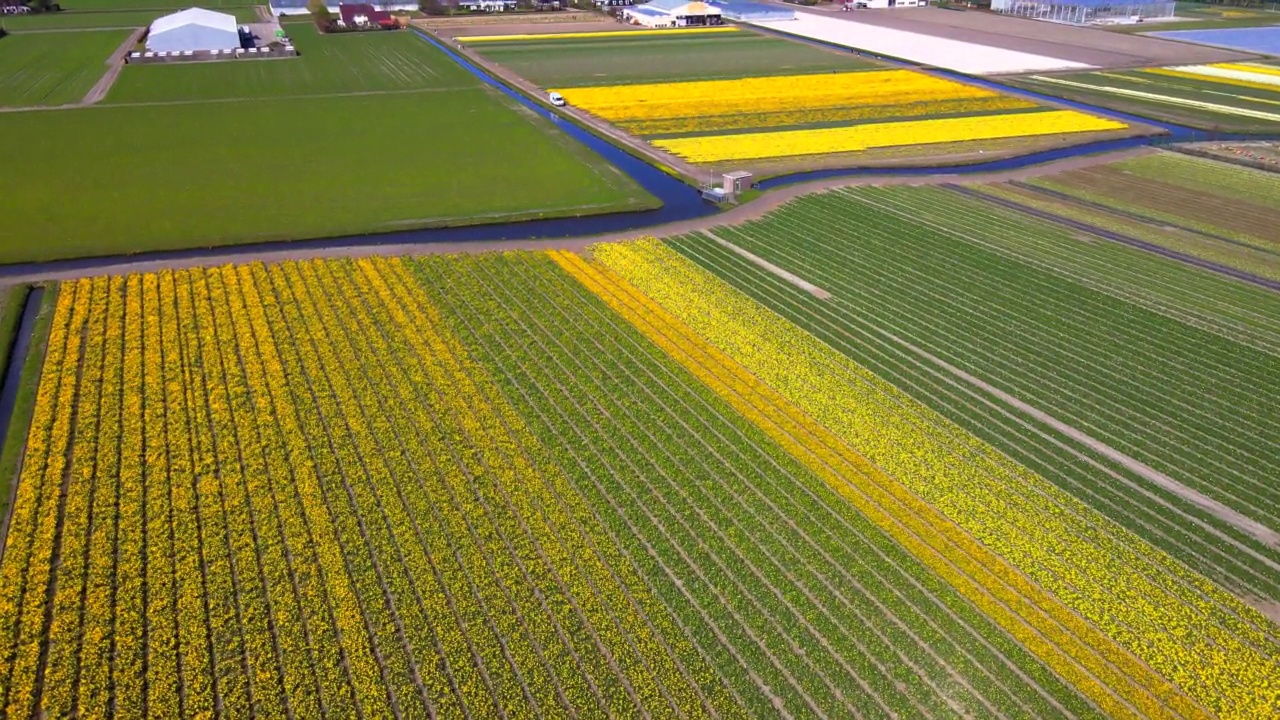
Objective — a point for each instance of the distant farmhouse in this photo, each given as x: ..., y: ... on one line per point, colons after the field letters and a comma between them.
x: 194, y: 29
x: 363, y: 15
x: 299, y: 7
x: 672, y: 13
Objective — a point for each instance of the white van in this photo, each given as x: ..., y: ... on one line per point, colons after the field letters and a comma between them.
x: 556, y: 99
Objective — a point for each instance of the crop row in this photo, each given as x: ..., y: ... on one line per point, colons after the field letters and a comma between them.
x: 1130, y: 590
x: 250, y: 494
x: 1187, y: 403
x: 759, y: 557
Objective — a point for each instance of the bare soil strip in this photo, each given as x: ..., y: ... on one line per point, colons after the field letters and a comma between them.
x: 1222, y: 512
x: 792, y: 278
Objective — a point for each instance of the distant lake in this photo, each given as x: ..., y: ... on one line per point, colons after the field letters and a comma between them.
x: 1264, y: 40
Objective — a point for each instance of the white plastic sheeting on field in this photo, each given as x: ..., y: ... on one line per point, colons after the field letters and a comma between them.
x: 940, y: 52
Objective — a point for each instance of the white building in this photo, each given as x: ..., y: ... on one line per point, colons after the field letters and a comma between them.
x: 194, y: 29
x: 672, y: 13
x: 886, y: 3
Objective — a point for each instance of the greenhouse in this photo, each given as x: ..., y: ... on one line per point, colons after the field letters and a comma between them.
x: 1081, y: 12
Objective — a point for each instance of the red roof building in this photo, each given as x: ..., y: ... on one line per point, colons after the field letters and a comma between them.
x: 363, y: 15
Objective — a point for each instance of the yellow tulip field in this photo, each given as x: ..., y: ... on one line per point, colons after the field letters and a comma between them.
x: 654, y: 478
x: 820, y: 114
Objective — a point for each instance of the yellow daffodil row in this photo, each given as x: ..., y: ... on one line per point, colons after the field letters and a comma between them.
x: 1217, y: 650
x: 601, y: 34
x: 1115, y: 680
x: 289, y: 491
x: 711, y: 98
x: 751, y: 146
x: 33, y: 525
x: 788, y: 118
x: 1249, y: 67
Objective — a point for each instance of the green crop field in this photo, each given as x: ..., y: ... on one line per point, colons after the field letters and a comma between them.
x: 1195, y: 102
x: 158, y: 5
x: 53, y: 68
x: 219, y: 173
x: 1230, y: 202
x: 613, y: 60
x: 99, y: 19
x: 328, y: 65
x: 1173, y: 366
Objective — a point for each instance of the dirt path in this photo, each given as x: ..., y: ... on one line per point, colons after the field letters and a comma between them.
x: 115, y: 64
x: 1262, y: 533
x: 750, y: 211
x: 769, y: 267
x: 264, y: 14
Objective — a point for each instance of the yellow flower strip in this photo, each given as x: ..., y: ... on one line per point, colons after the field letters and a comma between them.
x: 1134, y: 592
x: 270, y: 584
x: 749, y: 120
x: 131, y: 616
x: 76, y: 527
x: 356, y: 483
x: 601, y: 34
x: 528, y: 642
x: 95, y: 656
x: 710, y: 98
x: 38, y: 491
x: 749, y: 146
x: 162, y: 617
x: 1218, y: 79
x: 1104, y: 672
x: 315, y: 526
x: 303, y: 610
x: 1248, y: 67
x: 194, y: 660
x: 230, y: 457
x: 547, y: 504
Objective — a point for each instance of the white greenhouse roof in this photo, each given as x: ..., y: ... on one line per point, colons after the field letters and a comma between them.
x: 194, y: 16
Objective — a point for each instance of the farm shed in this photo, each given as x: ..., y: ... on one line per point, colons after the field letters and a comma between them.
x: 752, y: 11
x: 1080, y: 12
x: 363, y: 15
x: 673, y: 13
x: 194, y: 29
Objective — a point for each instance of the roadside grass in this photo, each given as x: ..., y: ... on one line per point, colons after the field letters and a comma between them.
x: 328, y: 64
x: 15, y: 439
x: 206, y: 174
x: 649, y: 58
x: 80, y: 20
x: 160, y: 5
x: 53, y: 68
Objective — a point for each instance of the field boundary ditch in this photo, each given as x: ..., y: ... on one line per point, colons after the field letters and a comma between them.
x: 9, y: 394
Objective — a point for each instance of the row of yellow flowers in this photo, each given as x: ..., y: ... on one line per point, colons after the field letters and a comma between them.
x: 1238, y: 78
x: 1104, y: 672
x: 751, y: 146
x: 711, y: 98
x: 33, y: 525
x: 643, y: 673
x: 515, y: 37
x: 786, y: 118
x: 1215, y: 648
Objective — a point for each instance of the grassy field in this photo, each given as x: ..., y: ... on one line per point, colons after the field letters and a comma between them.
x: 656, y: 58
x: 53, y: 68
x: 98, y: 19
x: 538, y: 483
x: 158, y: 5
x: 328, y: 65
x: 1198, y: 102
x: 294, y: 168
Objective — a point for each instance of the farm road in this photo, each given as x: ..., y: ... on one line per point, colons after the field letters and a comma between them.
x: 115, y: 64
x: 285, y: 250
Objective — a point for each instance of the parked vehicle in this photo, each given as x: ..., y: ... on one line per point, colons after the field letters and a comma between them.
x: 556, y: 99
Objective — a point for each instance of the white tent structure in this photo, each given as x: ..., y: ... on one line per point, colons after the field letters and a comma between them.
x: 193, y: 29
x: 672, y: 13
